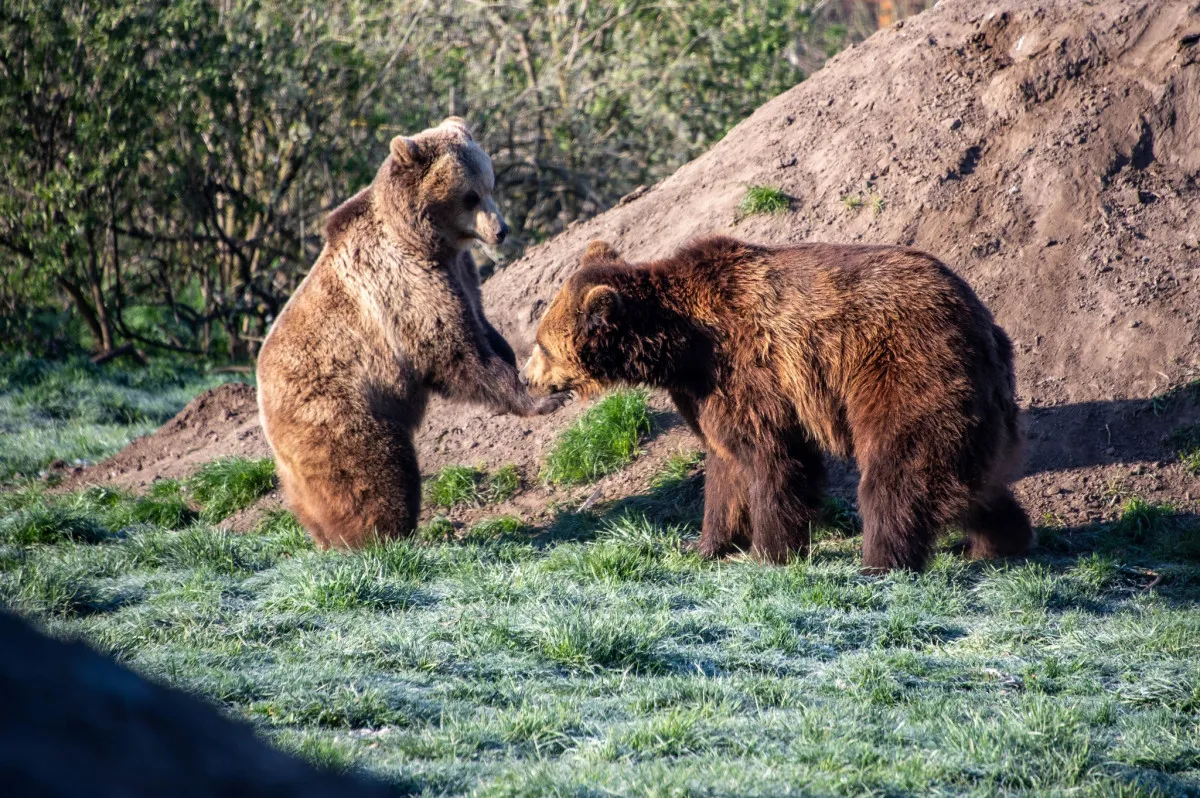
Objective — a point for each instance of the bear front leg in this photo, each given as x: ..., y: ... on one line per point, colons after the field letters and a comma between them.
x: 467, y: 368
x: 725, y: 519
x: 785, y: 492
x: 898, y: 524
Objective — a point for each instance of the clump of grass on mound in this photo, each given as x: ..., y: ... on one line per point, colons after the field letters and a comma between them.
x: 49, y: 524
x: 1186, y: 443
x: 676, y: 470
x: 163, y: 506
x: 489, y: 529
x: 762, y: 199
x: 458, y: 485
x: 229, y: 484
x: 604, y: 439
x: 439, y: 530
x: 1155, y: 528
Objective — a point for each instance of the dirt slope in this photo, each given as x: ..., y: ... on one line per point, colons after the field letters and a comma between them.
x: 1049, y: 151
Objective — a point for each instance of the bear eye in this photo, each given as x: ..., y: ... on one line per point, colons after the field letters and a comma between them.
x: 471, y: 199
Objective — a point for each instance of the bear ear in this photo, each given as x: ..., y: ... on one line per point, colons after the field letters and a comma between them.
x: 600, y: 250
x: 407, y: 150
x: 458, y: 125
x: 600, y: 307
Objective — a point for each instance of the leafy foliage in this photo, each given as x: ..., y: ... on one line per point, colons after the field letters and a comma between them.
x: 165, y: 165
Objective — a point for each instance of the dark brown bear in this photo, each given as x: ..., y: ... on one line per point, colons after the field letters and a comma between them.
x: 775, y: 354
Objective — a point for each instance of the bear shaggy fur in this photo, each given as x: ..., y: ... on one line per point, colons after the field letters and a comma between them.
x: 390, y: 312
x: 772, y: 355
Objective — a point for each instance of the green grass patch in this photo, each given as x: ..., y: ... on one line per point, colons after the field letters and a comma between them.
x: 457, y: 485
x: 601, y: 441
x: 1168, y: 399
x: 1185, y: 441
x: 677, y: 469
x: 74, y: 412
x: 229, y: 484
x: 592, y: 654
x: 43, y: 524
x: 760, y: 199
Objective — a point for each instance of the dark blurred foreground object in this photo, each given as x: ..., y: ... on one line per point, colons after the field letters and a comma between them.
x: 73, y: 723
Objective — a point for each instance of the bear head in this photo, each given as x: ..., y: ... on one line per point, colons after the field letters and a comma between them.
x: 442, y: 179
x: 571, y: 336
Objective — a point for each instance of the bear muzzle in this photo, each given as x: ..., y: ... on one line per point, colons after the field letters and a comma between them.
x: 490, y: 227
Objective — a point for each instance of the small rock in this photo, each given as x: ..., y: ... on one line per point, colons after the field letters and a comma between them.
x: 1134, y: 324
x: 952, y: 123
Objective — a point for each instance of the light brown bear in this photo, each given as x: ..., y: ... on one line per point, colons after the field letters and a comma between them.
x: 390, y: 312
x: 773, y: 354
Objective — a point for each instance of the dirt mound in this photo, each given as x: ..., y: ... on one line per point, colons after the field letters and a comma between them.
x: 218, y: 423
x: 1049, y: 151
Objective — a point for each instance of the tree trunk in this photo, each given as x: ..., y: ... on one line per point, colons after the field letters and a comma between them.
x: 82, y: 305
x: 94, y: 283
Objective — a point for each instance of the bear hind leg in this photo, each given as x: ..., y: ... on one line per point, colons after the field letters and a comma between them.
x: 997, y: 526
x: 369, y: 500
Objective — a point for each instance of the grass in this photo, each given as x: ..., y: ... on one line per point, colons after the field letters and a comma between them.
x: 853, y: 201
x: 617, y: 662
x: 762, y: 200
x: 1185, y: 441
x: 74, y: 412
x: 601, y: 441
x: 457, y: 485
x: 593, y: 654
x: 1168, y: 398
x: 225, y: 486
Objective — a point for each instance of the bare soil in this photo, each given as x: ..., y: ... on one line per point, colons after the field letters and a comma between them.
x: 1049, y: 151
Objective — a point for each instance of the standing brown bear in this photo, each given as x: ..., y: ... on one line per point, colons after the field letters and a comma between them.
x: 774, y: 354
x: 390, y: 312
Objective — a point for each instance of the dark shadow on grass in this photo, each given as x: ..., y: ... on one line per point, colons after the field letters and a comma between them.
x: 673, y: 502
